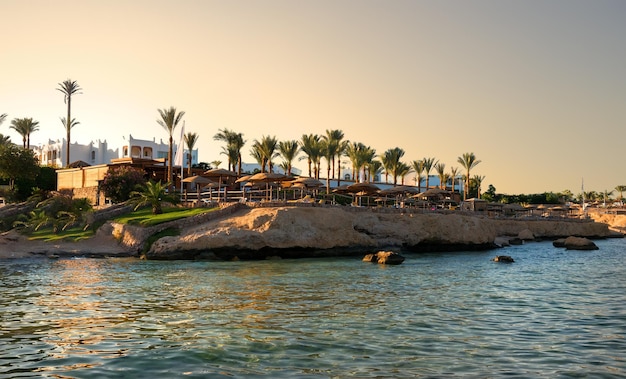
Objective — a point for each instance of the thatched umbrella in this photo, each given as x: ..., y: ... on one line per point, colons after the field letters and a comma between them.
x: 305, y: 183
x: 198, y: 181
x: 220, y: 173
x: 365, y: 187
x: 267, y: 178
x: 361, y: 189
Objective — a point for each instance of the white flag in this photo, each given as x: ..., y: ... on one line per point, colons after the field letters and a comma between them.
x: 180, y: 148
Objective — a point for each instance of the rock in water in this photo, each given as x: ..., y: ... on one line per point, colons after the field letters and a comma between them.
x: 503, y: 259
x: 579, y: 243
x: 384, y: 257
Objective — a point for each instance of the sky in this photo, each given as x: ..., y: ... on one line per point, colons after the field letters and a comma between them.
x: 535, y: 89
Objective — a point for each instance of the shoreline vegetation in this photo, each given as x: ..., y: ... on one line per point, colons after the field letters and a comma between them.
x: 239, y: 231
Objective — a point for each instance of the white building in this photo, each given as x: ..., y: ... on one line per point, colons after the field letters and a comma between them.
x: 146, y: 149
x: 53, y: 153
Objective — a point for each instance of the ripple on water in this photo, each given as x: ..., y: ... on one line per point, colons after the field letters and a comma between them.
x: 550, y: 314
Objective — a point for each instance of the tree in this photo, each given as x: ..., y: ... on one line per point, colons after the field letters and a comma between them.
x: 454, y: 171
x: 24, y: 127
x: 403, y: 170
x: 268, y: 146
x: 490, y: 195
x: 335, y: 145
x: 234, y: 143
x: 418, y: 167
x: 468, y: 161
x: 359, y: 155
x: 288, y: 150
x: 69, y: 88
x: 190, y: 141
x: 310, y: 146
x: 428, y: 165
x: 216, y: 163
x: 478, y: 182
x: 170, y: 118
x: 2, y: 118
x: 17, y: 163
x: 620, y: 189
x: 441, y: 172
x: 153, y: 194
x: 119, y: 182
x: 391, y: 161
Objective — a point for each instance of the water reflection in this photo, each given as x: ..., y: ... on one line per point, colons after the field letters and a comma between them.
x: 433, y: 316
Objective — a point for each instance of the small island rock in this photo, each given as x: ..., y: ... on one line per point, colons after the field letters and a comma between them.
x: 384, y: 257
x: 503, y: 259
x: 579, y: 243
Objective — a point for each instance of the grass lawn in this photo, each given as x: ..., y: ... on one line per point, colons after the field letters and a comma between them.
x: 144, y: 217
x: 72, y: 234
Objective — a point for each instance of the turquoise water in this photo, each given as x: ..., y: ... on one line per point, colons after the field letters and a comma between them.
x: 551, y: 314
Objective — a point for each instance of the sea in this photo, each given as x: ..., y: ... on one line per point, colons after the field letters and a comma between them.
x: 552, y: 313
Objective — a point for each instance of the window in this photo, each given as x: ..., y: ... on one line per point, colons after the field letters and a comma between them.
x: 93, y: 155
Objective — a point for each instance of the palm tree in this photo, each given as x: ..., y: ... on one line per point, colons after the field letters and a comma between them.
x: 257, y: 155
x: 169, y: 120
x: 454, y: 171
x: 309, y: 145
x: 266, y: 149
x: 418, y: 167
x: 234, y: 144
x: 441, y: 172
x: 478, y: 181
x: 25, y: 126
x: 468, y: 161
x: 366, y: 158
x: 2, y: 118
x: 190, y: 141
x: 403, y: 170
x: 288, y: 150
x: 428, y: 165
x: 392, y: 158
x: 374, y: 167
x: 69, y: 88
x: 216, y: 163
x: 153, y: 194
x: 606, y: 195
x: 620, y: 189
x: 336, y: 145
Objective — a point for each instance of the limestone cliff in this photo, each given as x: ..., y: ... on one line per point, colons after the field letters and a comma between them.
x: 260, y: 232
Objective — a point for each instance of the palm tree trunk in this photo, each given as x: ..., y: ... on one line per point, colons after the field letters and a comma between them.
x: 169, y: 161
x: 67, y: 127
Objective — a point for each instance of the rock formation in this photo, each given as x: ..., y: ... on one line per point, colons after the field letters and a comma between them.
x: 255, y: 233
x: 384, y: 257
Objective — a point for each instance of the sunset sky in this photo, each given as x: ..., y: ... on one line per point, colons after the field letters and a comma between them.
x: 536, y: 89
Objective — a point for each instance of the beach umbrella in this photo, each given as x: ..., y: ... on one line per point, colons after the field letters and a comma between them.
x: 341, y: 189
x: 244, y: 178
x: 433, y: 192
x: 267, y: 178
x: 365, y: 187
x: 198, y: 181
x: 222, y: 175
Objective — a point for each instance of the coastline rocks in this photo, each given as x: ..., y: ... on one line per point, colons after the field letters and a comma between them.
x: 384, y: 257
x: 575, y: 243
x: 526, y: 235
x: 503, y: 259
x: 295, y: 232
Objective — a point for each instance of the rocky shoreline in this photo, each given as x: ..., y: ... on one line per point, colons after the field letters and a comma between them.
x: 296, y: 232
x: 252, y: 233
